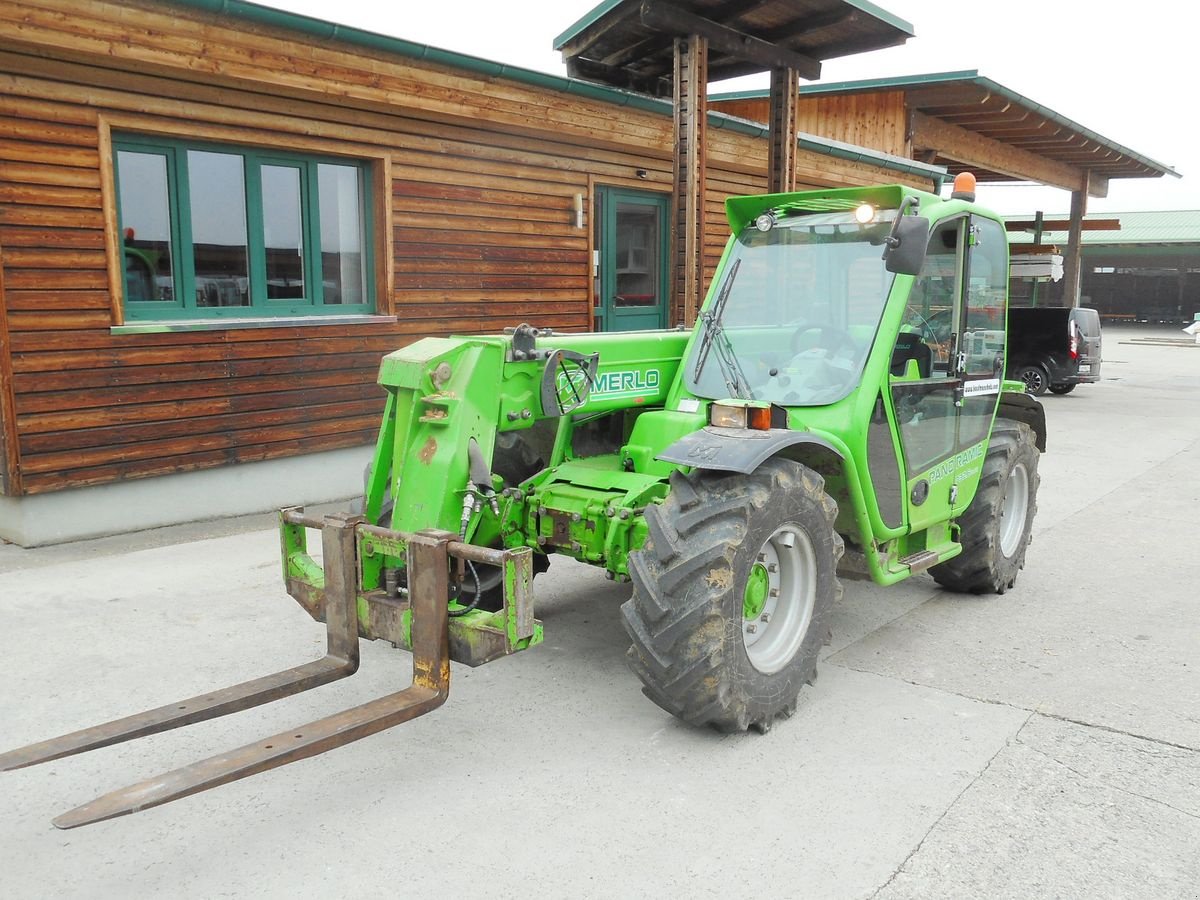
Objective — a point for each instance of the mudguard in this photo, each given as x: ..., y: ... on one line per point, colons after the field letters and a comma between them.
x: 737, y: 449
x: 1024, y: 408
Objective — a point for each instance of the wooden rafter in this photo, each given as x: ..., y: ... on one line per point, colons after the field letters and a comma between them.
x: 972, y: 149
x: 671, y: 19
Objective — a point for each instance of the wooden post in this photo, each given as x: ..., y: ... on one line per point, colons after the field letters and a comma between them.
x: 10, y: 460
x: 687, y: 220
x: 1038, y: 220
x: 1181, y: 293
x: 781, y: 164
x: 1073, y: 263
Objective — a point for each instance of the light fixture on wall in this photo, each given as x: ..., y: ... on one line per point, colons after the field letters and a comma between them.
x: 579, y: 210
x: 642, y: 173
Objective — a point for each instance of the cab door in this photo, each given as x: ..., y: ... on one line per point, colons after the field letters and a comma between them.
x: 981, y: 340
x: 955, y: 319
x: 924, y: 381
x: 632, y: 240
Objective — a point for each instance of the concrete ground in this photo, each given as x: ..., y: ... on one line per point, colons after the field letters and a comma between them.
x: 1045, y: 743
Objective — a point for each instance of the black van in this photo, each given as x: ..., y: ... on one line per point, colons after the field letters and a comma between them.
x: 1053, y: 348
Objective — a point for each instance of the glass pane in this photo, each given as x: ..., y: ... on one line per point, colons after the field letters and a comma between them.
x: 637, y: 255
x: 927, y: 415
x: 343, y: 273
x: 983, y: 330
x: 802, y: 302
x: 929, y: 315
x: 283, y: 232
x: 217, y: 185
x: 146, y: 223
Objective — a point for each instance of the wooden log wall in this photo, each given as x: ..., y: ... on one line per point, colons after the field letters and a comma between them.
x: 876, y: 120
x: 474, y: 186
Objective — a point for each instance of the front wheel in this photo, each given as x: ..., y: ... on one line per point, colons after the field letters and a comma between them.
x: 998, y: 525
x: 732, y: 594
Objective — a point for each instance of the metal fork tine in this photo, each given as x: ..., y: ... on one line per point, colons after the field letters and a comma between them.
x: 341, y: 660
x: 185, y: 712
x: 431, y: 684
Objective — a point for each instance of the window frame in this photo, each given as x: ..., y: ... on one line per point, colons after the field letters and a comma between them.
x: 175, y: 152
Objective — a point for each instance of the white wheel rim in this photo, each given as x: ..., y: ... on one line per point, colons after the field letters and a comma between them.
x: 1014, y: 509
x: 773, y: 637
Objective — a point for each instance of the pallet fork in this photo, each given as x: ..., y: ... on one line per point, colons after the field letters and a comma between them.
x: 337, y: 600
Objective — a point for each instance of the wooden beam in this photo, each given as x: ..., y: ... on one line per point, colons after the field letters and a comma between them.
x: 10, y: 457
x: 811, y: 25
x: 589, y: 70
x: 670, y: 19
x: 1064, y: 224
x: 973, y: 149
x: 688, y: 221
x: 575, y: 48
x: 1073, y: 258
x: 781, y: 152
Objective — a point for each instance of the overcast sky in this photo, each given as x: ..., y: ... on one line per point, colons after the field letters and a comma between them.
x: 1127, y: 71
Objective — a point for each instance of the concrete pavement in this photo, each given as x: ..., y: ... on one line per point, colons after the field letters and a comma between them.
x: 1045, y: 743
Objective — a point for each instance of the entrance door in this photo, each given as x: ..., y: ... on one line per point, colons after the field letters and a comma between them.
x: 632, y: 240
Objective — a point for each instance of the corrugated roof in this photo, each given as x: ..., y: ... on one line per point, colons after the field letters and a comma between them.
x: 978, y: 104
x: 630, y: 43
x: 325, y: 30
x: 1162, y: 227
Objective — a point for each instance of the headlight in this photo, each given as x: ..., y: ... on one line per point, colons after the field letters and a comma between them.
x: 730, y: 414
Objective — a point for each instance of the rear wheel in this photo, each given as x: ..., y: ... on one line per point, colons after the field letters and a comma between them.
x: 1036, y: 379
x: 732, y: 594
x: 997, y: 527
x: 1061, y: 388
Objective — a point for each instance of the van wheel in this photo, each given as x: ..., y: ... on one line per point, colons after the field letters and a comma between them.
x: 1061, y: 388
x: 732, y: 594
x: 1036, y: 379
x: 996, y: 528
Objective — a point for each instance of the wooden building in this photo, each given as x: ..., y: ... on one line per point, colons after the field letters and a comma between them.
x: 216, y: 217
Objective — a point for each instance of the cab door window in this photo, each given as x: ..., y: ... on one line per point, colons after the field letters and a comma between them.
x: 983, y: 332
x: 924, y: 389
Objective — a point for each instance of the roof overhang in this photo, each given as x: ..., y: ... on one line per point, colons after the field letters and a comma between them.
x: 965, y: 121
x: 630, y: 43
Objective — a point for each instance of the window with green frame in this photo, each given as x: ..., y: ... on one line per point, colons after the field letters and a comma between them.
x: 214, y: 231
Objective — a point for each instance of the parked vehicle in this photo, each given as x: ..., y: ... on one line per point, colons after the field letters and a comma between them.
x: 801, y: 429
x: 1053, y: 348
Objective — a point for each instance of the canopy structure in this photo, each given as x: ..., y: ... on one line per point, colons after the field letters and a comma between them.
x: 965, y: 121
x: 630, y: 43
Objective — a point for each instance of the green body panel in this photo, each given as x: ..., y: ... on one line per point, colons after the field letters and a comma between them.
x: 589, y: 498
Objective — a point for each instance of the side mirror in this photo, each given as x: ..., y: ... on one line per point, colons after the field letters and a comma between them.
x: 567, y: 381
x: 906, y: 245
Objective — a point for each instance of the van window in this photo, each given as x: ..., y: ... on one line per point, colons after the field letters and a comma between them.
x: 1087, y: 321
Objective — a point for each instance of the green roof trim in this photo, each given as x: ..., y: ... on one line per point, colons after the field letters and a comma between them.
x: 967, y: 75
x: 584, y: 21
x: 325, y: 30
x: 599, y: 12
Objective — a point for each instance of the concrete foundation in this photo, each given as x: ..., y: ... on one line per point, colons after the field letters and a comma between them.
x: 186, y: 497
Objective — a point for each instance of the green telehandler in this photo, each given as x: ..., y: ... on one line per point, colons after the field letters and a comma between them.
x: 811, y: 425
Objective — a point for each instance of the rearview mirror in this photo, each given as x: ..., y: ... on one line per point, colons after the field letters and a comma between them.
x: 567, y: 381
x: 906, y: 245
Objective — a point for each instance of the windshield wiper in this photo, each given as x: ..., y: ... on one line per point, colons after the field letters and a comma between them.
x: 726, y: 357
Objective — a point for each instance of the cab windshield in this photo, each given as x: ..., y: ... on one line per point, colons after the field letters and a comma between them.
x: 795, y: 315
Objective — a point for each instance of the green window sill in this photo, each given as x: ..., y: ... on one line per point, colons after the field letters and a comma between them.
x: 184, y: 325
